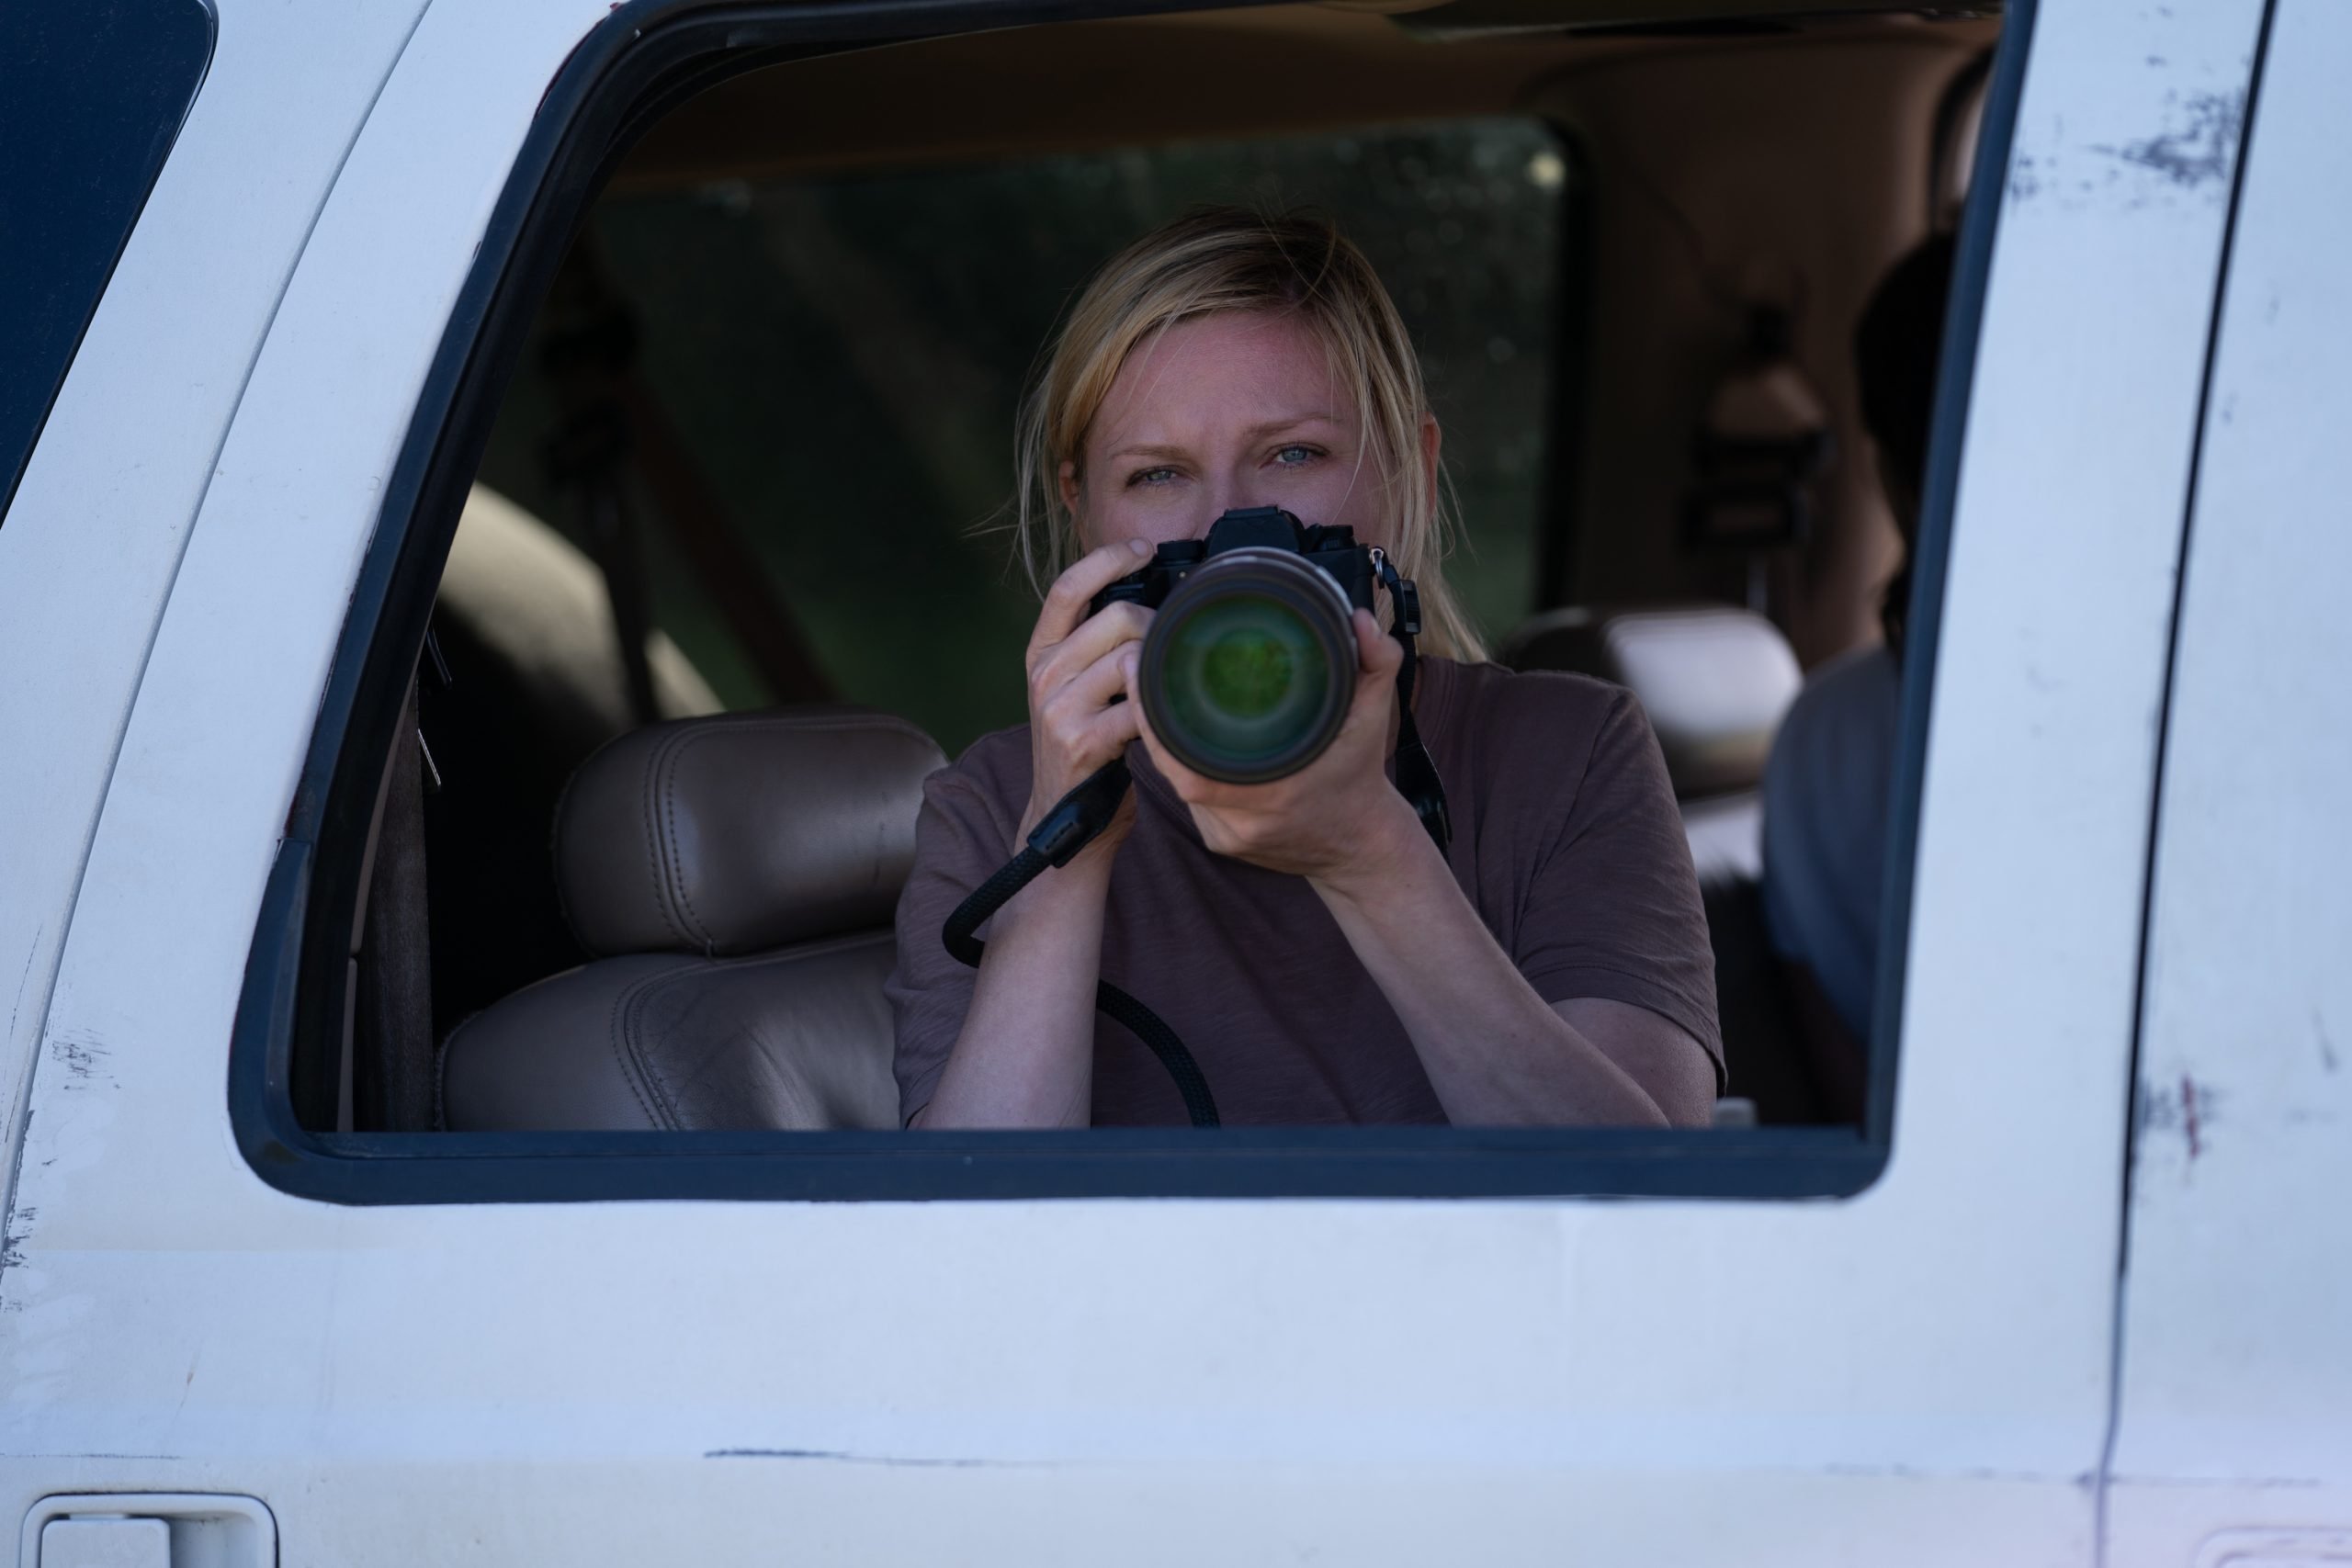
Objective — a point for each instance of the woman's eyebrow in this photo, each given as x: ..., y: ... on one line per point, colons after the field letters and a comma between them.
x: 1254, y: 433
x: 1289, y: 422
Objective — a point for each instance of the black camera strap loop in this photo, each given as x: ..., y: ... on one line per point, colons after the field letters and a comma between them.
x: 1416, y: 778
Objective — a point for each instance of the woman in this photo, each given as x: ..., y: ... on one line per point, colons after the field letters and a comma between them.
x: 1306, y: 938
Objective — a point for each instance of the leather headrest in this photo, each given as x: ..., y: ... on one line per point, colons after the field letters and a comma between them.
x: 1714, y: 681
x: 741, y: 832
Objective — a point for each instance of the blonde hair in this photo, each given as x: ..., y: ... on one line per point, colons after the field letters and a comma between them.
x: 1227, y: 258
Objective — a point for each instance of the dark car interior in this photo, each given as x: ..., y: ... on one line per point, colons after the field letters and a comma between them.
x: 731, y: 579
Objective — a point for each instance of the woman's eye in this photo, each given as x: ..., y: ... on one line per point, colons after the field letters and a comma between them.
x: 1151, y: 476
x: 1294, y: 456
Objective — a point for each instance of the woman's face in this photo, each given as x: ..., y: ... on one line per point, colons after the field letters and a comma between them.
x: 1225, y: 410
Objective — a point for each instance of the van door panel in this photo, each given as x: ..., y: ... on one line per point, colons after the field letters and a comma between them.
x: 1918, y: 1374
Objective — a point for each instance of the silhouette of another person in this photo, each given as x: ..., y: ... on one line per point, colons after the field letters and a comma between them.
x: 1826, y: 784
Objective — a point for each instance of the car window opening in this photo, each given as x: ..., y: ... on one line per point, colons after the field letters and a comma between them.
x: 732, y: 579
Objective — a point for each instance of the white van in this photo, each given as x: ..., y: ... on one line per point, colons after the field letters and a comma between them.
x: 2074, y: 1288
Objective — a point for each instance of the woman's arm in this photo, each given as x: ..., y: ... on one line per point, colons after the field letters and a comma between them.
x: 1495, y: 1052
x: 1024, y: 1057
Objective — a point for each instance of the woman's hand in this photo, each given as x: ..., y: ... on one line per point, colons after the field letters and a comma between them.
x: 1337, y: 822
x: 1495, y: 1052
x: 1080, y: 665
x: 1025, y: 1054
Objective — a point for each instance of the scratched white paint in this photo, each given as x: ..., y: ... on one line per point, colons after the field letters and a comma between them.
x: 1918, y: 1375
x: 2237, y: 1335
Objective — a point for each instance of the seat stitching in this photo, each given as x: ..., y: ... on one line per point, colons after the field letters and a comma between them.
x: 690, y: 925
x: 677, y: 861
x: 625, y: 1058
x: 653, y: 874
x: 643, y: 992
x: 641, y: 997
x: 782, y: 958
x: 792, y: 954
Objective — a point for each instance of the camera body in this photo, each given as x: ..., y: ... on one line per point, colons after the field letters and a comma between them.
x: 1332, y: 548
x: 1246, y: 672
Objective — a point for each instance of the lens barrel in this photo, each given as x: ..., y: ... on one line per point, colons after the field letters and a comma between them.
x: 1249, y: 667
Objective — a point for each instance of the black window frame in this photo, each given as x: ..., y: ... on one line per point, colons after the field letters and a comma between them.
x: 642, y: 61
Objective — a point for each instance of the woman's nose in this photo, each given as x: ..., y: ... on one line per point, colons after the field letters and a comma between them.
x: 1233, y: 494
x: 1215, y: 502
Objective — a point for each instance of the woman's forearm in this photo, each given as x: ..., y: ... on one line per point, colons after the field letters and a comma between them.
x: 1495, y: 1052
x: 1025, y: 1056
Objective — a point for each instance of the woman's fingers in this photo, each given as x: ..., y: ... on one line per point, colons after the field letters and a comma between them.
x: 1378, y: 655
x: 1117, y: 625
x: 1080, y: 717
x: 1066, y: 600
x: 1115, y: 726
x: 1180, y: 777
x: 1076, y: 665
x: 1092, y: 689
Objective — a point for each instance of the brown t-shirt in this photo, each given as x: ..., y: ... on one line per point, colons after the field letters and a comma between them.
x: 1565, y: 839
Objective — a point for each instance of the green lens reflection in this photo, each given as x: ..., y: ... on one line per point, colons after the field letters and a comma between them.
x: 1246, y: 677
x: 1246, y: 672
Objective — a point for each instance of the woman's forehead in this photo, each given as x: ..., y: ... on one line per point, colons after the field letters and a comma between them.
x: 1225, y: 369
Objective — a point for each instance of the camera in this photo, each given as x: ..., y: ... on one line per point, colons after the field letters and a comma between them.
x: 1250, y: 663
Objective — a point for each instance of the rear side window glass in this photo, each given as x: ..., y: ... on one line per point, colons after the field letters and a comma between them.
x: 91, y: 97
x: 888, y: 318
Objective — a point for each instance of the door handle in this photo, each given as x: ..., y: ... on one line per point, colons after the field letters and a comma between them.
x: 149, y: 1530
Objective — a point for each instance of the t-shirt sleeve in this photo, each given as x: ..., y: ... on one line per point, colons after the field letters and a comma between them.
x: 961, y: 838
x: 1611, y: 906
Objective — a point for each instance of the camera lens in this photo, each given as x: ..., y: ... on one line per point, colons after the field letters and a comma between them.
x: 1248, y: 666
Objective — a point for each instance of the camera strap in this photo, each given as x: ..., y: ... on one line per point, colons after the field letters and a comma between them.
x: 1074, y: 822
x: 1416, y: 778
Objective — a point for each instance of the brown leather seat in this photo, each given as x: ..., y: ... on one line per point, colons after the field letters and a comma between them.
x: 736, y: 877
x: 1715, y: 682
